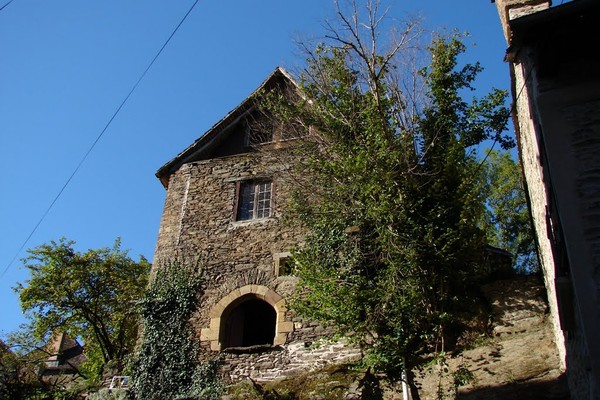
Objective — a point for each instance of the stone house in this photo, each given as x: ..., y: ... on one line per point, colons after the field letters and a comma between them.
x: 555, y: 75
x: 226, y: 196
x: 65, y: 356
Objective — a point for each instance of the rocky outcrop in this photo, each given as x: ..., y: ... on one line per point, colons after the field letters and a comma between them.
x: 519, y: 361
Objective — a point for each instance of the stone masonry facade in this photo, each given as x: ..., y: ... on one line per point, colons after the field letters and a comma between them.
x: 241, y: 259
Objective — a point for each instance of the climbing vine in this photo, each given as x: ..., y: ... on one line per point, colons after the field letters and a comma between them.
x: 166, y: 365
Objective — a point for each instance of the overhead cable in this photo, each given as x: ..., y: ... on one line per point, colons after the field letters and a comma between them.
x: 87, y: 153
x: 4, y: 6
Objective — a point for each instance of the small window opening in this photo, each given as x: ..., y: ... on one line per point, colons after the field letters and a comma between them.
x: 283, y: 264
x: 293, y: 130
x: 251, y: 323
x: 260, y: 129
x: 285, y: 267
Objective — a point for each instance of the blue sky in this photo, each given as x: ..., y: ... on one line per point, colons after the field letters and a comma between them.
x: 66, y: 65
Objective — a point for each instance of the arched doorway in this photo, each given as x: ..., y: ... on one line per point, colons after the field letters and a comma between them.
x: 217, y: 332
x: 249, y: 321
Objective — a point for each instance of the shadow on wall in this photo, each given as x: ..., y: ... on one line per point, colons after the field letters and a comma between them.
x: 554, y: 389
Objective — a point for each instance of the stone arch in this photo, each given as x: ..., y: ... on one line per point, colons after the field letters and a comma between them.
x: 216, y: 333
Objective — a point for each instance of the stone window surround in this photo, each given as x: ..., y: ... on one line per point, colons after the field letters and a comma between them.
x: 277, y: 258
x: 238, y: 182
x: 255, y: 187
x: 219, y: 311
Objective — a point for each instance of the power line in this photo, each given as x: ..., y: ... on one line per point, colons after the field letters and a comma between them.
x: 4, y: 6
x: 87, y: 153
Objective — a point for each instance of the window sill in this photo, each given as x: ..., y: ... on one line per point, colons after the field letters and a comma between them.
x: 259, y: 348
x: 251, y: 222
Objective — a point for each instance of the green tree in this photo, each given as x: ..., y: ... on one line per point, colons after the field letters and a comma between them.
x: 392, y: 200
x: 90, y: 295
x: 10, y: 368
x: 508, y: 213
x: 16, y: 376
x: 22, y: 357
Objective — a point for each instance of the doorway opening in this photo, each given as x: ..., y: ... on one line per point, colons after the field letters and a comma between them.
x: 250, y: 322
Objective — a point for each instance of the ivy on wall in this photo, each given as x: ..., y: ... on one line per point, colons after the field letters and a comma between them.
x: 166, y: 365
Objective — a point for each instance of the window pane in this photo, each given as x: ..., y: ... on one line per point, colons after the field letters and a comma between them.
x: 246, y: 202
x: 263, y: 207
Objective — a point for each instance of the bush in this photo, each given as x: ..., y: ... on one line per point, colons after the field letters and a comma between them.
x: 109, y: 394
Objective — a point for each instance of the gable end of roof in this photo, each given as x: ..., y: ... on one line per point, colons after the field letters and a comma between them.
x: 211, y: 137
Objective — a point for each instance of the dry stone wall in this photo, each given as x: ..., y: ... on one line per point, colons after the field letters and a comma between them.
x: 287, y: 361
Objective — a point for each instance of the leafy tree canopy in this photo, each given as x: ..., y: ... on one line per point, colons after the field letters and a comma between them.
x: 89, y: 295
x: 509, y: 223
x: 393, y: 199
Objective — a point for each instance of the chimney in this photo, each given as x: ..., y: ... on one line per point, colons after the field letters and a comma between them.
x: 512, y: 9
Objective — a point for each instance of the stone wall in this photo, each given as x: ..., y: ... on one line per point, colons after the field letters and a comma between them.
x: 286, y: 361
x: 518, y: 362
x: 568, y: 203
x: 198, y: 215
x: 532, y: 163
x: 239, y: 259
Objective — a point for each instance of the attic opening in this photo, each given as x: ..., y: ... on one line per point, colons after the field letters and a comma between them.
x: 248, y: 322
x: 260, y: 128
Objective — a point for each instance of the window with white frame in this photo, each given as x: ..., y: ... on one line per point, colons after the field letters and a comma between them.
x: 254, y: 200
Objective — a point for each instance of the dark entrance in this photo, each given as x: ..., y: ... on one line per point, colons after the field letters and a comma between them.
x: 250, y: 323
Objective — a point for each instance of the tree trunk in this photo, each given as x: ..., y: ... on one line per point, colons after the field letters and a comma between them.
x: 409, y: 378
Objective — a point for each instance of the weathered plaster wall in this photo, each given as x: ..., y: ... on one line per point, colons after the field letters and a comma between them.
x: 531, y: 161
x: 556, y: 88
x: 531, y: 158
